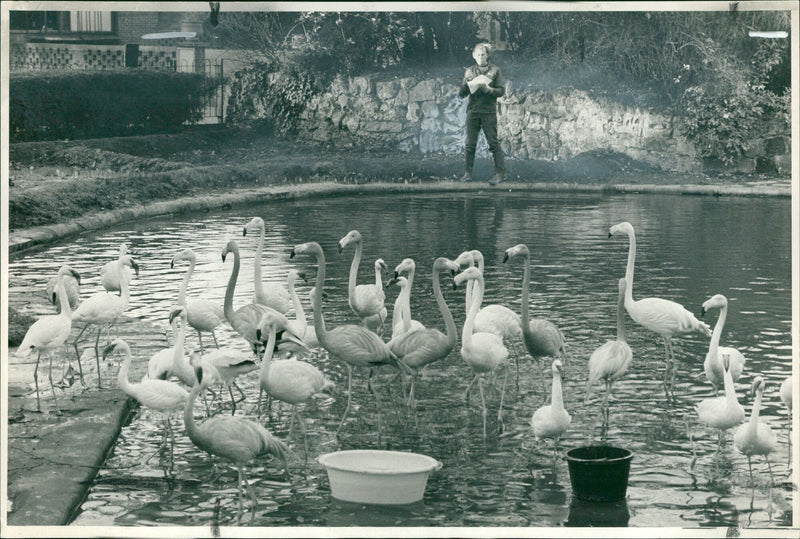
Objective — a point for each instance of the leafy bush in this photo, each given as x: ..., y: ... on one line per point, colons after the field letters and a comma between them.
x: 273, y: 93
x: 91, y: 104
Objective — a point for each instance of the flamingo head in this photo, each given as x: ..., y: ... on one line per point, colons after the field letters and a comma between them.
x: 381, y: 266
x: 442, y: 264
x: 407, y: 264
x: 622, y: 228
x: 717, y: 301
x: 465, y: 260
x: 469, y: 274
x: 123, y: 249
x: 187, y: 255
x: 66, y: 269
x: 354, y: 236
x: 179, y: 311
x: 256, y: 224
x: 305, y: 248
x: 512, y: 252
x: 757, y: 386
x: 230, y: 247
x: 128, y: 260
x: 400, y: 281
x: 558, y: 368
x: 293, y: 276
x: 116, y: 344
x: 477, y: 257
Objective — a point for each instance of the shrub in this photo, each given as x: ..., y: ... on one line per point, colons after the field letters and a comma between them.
x: 91, y: 104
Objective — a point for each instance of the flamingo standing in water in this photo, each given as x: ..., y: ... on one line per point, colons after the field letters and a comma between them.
x: 48, y: 334
x: 755, y: 437
x: 114, y: 272
x: 421, y: 347
x: 713, y: 363
x: 355, y: 345
x: 786, y: 399
x: 202, y: 314
x: 366, y: 300
x: 160, y: 395
x: 542, y: 338
x: 72, y: 286
x: 483, y: 352
x: 664, y: 317
x: 552, y: 421
x: 299, y: 325
x: 271, y: 294
x: 102, y: 310
x: 233, y: 438
x: 611, y: 361
x: 245, y: 320
x: 402, y: 321
x: 722, y: 413
x: 291, y: 381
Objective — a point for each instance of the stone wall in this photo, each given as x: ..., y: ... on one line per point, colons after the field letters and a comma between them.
x: 427, y: 116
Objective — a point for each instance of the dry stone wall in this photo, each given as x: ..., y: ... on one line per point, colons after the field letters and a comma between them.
x: 427, y: 116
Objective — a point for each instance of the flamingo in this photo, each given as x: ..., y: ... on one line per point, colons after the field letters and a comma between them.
x: 356, y: 345
x: 236, y: 439
x: 366, y: 300
x: 755, y: 437
x: 401, y: 312
x: 664, y: 317
x: 271, y: 294
x: 48, y: 334
x: 161, y: 364
x: 160, y: 395
x: 611, y: 360
x: 291, y: 381
x: 418, y: 348
x: 102, y: 310
x: 402, y: 321
x: 542, y: 338
x: 483, y: 352
x: 713, y: 363
x: 552, y: 421
x: 202, y: 314
x: 72, y: 287
x: 112, y: 273
x: 245, y: 320
x: 223, y: 366
x: 722, y: 413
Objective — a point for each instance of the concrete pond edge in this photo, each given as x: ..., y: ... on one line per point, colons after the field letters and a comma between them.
x: 23, y: 239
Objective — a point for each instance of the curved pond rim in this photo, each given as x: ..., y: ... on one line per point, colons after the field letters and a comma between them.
x: 23, y: 239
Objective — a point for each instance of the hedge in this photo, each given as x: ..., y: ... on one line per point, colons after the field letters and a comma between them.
x: 92, y: 104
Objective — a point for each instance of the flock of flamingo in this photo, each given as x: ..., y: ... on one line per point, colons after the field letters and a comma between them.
x: 487, y: 334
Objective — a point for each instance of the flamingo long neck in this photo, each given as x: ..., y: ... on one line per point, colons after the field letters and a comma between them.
x: 266, y: 361
x: 621, y: 317
x: 319, y: 321
x: 469, y: 324
x: 188, y: 418
x: 398, y: 311
x: 63, y: 300
x: 714, y: 344
x: 470, y: 288
x: 752, y: 426
x: 629, y: 268
x: 299, y: 312
x: 378, y: 280
x: 177, y: 357
x: 730, y: 391
x: 449, y: 323
x: 406, y: 294
x: 557, y: 397
x: 122, y: 377
x: 227, y: 307
x: 526, y: 280
x: 259, y: 286
x: 351, y: 283
x: 185, y: 284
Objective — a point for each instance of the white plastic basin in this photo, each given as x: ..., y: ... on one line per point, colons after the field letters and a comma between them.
x: 378, y: 477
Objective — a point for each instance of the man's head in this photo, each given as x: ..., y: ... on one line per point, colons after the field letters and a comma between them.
x: 481, y: 53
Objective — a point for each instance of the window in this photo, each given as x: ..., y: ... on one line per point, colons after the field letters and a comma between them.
x: 90, y: 21
x: 43, y: 21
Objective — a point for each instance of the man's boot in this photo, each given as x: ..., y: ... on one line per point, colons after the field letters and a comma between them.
x: 499, y: 167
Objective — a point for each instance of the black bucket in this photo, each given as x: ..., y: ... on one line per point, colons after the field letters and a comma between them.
x: 599, y: 473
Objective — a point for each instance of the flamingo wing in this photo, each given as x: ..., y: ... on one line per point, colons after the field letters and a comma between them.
x: 203, y: 314
x: 664, y: 317
x: 418, y: 348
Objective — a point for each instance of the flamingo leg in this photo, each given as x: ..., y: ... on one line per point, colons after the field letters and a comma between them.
x: 233, y: 400
x: 411, y: 392
x: 36, y: 383
x: 769, y: 467
x: 215, y: 339
x: 380, y: 413
x: 502, y: 396
x: 97, y: 357
x: 200, y: 338
x: 241, y: 493
x: 305, y: 435
x: 80, y: 367
x: 52, y: 388
x: 484, y: 412
x: 466, y: 394
x: 349, y: 395
x: 75, y: 342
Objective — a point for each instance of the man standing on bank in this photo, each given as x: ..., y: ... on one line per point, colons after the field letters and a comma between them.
x: 483, y: 83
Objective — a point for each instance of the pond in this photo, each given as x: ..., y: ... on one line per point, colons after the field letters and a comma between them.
x: 689, y: 248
